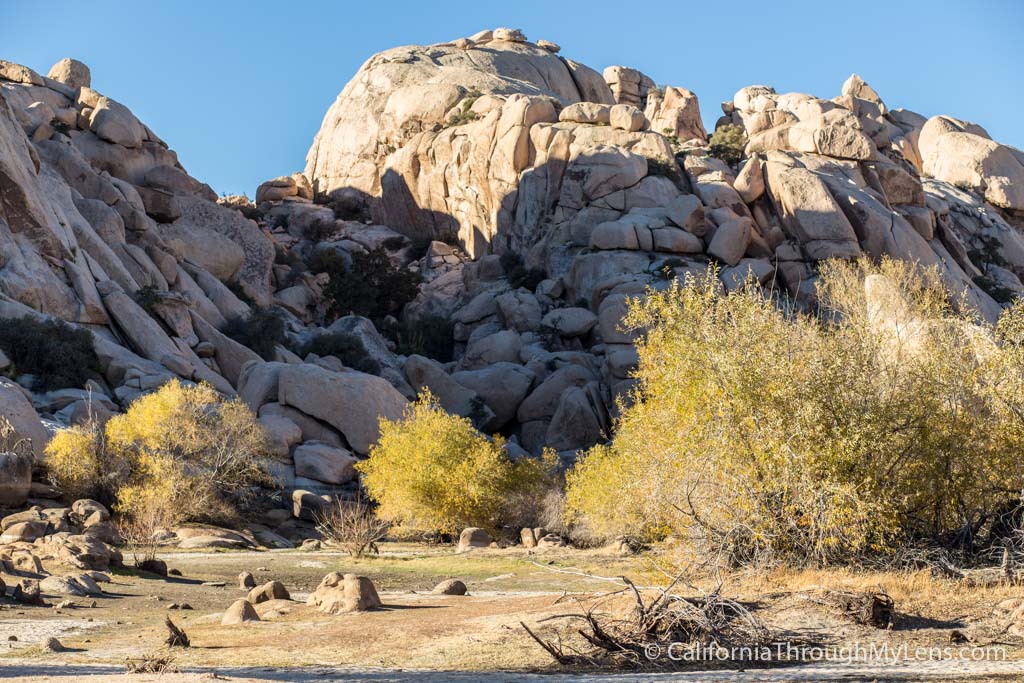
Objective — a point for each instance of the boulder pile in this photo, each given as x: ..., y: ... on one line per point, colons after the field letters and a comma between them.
x: 531, y: 196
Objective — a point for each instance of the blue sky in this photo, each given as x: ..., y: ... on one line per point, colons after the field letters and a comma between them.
x: 239, y: 88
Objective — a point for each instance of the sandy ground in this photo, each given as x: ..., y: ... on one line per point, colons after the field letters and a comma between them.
x: 430, y: 638
x: 854, y: 673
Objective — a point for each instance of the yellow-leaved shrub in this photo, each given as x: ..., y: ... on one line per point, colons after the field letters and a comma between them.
x: 433, y: 471
x: 761, y: 433
x: 180, y: 453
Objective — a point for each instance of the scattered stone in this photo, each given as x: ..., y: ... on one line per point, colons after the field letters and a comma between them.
x: 27, y: 592
x: 450, y: 587
x: 338, y: 594
x: 473, y: 537
x: 271, y: 590
x: 246, y: 581
x: 240, y: 611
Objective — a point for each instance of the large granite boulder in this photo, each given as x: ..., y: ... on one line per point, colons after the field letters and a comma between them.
x: 352, y: 402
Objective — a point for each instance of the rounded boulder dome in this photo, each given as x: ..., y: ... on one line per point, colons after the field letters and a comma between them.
x: 71, y: 73
x: 403, y: 91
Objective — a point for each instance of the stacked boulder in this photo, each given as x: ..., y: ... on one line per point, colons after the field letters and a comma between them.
x: 534, y: 196
x: 57, y: 551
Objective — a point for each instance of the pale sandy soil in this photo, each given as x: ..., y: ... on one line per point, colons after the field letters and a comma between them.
x: 978, y: 672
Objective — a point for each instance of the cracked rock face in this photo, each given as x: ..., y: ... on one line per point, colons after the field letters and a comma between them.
x: 403, y: 93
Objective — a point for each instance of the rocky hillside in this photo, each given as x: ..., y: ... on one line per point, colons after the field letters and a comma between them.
x: 526, y: 196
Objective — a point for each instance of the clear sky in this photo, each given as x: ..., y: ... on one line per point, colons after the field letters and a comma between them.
x: 239, y: 88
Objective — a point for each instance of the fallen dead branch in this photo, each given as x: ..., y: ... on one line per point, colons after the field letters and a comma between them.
x: 653, y: 626
x: 152, y: 663
x: 175, y: 636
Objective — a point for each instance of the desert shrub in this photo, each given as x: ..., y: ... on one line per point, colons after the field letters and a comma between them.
x: 394, y: 243
x: 462, y: 117
x: 239, y: 291
x: 419, y: 248
x: 763, y: 434
x: 373, y: 287
x: 81, y: 466
x: 180, y: 453
x: 434, y: 471
x: 991, y: 286
x: 464, y: 114
x: 345, y: 207
x: 429, y: 336
x: 658, y: 166
x: 517, y: 274
x: 987, y: 253
x: 327, y: 261
x: 668, y: 267
x: 261, y: 331
x: 286, y: 257
x: 56, y: 354
x: 352, y: 526
x: 147, y: 297
x: 347, y: 348
x: 297, y: 267
x: 320, y: 230
x: 728, y: 142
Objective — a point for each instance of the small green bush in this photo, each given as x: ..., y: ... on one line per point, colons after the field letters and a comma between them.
x: 320, y: 230
x: 661, y: 167
x: 345, y: 208
x: 517, y: 274
x: 148, y: 296
x: 465, y: 114
x: 60, y: 127
x: 727, y: 143
x: 394, y: 243
x: 987, y: 252
x: 419, y: 248
x: 327, y: 261
x: 461, y: 118
x: 347, y: 348
x: 56, y: 354
x: 995, y: 290
x: 373, y: 287
x: 429, y: 336
x: 236, y: 288
x: 285, y: 257
x: 261, y: 331
x: 668, y: 266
